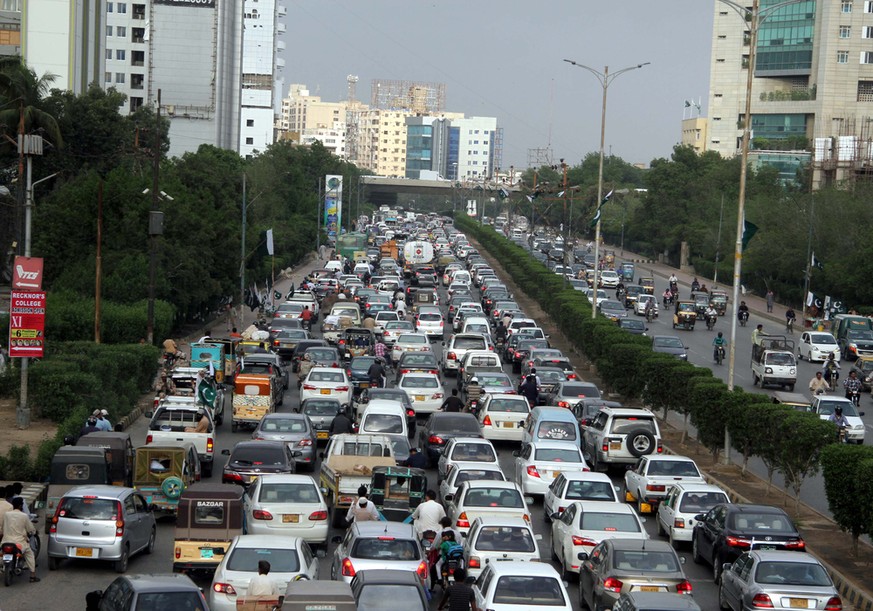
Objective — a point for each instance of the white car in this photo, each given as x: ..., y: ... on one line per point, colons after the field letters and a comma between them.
x: 409, y: 341
x: 288, y: 558
x: 601, y: 296
x: 431, y: 324
x: 640, y: 304
x: 502, y: 416
x: 393, y: 330
x: 525, y: 586
x: 384, y: 317
x: 649, y: 481
x: 499, y: 540
x: 538, y: 463
x: 457, y: 286
x: 424, y: 391
x: 585, y: 487
x: 465, y: 310
x: 286, y: 505
x: 476, y: 324
x: 451, y: 268
x: 477, y: 498
x: 609, y: 279
x: 816, y: 346
x: 458, y: 345
x: 685, y: 501
x: 465, y: 472
x: 581, y: 527
x: 465, y: 449
x: 324, y: 382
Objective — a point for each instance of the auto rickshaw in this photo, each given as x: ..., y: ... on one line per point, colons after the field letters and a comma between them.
x: 231, y: 344
x: 701, y: 302
x: 685, y: 315
x: 209, y: 517
x: 397, y: 491
x: 256, y: 392
x: 648, y: 284
x: 206, y: 353
x: 74, y: 466
x: 719, y: 300
x: 627, y: 272
x: 163, y: 473
x: 119, y: 453
x: 356, y: 341
x: 609, y: 258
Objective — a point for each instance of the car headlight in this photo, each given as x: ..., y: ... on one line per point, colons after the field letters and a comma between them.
x: 858, y: 427
x: 683, y: 356
x: 792, y: 371
x: 768, y: 370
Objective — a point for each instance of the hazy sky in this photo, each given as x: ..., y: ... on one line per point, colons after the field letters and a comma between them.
x: 503, y: 58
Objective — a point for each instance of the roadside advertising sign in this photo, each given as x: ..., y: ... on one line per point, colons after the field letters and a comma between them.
x: 27, y: 324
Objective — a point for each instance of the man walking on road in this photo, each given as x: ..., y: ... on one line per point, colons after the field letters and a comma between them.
x: 770, y: 299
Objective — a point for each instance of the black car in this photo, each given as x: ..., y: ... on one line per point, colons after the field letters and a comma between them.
x: 417, y: 362
x: 728, y: 530
x: 442, y: 426
x: 324, y: 356
x: 286, y: 340
x: 153, y: 591
x: 357, y: 371
x: 561, y: 362
x: 302, y: 346
x: 372, y: 587
x: 321, y: 413
x: 251, y: 459
x: 278, y: 324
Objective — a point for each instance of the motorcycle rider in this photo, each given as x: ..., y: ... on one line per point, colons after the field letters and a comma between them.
x: 530, y: 389
x: 428, y: 514
x: 852, y: 385
x: 650, y: 309
x: 17, y: 528
x: 500, y: 333
x: 818, y: 385
x: 306, y: 316
x: 831, y: 369
x: 695, y: 285
x: 673, y: 279
x: 304, y: 368
x: 743, y: 311
x: 718, y: 342
x: 453, y: 403
x: 711, y: 314
x: 341, y: 423
x: 474, y: 392
x: 839, y: 419
x: 376, y: 374
x: 668, y: 297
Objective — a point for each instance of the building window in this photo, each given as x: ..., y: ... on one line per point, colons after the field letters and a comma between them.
x: 845, y: 31
x: 107, y: 76
x: 108, y: 7
x: 109, y: 54
x: 842, y: 57
x: 866, y: 57
x: 121, y: 31
x: 122, y: 7
x: 250, y: 140
x: 108, y: 30
x: 119, y: 77
x: 865, y: 91
x: 250, y: 122
x: 868, y: 6
x: 867, y: 32
x: 119, y: 54
x: 846, y: 6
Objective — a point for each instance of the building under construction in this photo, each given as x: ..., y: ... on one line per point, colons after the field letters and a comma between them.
x: 416, y: 98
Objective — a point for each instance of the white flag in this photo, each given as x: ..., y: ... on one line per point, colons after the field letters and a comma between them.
x: 810, y: 299
x: 270, y: 250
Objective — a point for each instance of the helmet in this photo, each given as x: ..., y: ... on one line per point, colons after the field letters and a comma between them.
x: 838, y: 411
x: 720, y: 334
x: 341, y: 296
x: 474, y: 380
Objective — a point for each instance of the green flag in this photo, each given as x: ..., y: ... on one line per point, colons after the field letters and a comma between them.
x: 596, y: 218
x: 749, y: 231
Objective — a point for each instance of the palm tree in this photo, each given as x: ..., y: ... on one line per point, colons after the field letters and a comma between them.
x: 21, y: 95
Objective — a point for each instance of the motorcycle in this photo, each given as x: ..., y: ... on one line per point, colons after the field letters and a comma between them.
x: 454, y: 561
x: 789, y: 325
x: 650, y: 314
x: 832, y: 376
x: 668, y: 300
x: 743, y: 316
x: 719, y: 354
x: 854, y: 396
x: 307, y: 324
x: 13, y: 559
x: 473, y: 407
x: 843, y: 435
x: 620, y: 294
x: 710, y: 322
x: 674, y: 289
x: 170, y: 360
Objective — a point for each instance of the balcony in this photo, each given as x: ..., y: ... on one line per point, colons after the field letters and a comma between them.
x: 280, y: 45
x: 136, y: 86
x: 137, y: 39
x: 280, y: 28
x: 282, y: 10
x: 137, y: 62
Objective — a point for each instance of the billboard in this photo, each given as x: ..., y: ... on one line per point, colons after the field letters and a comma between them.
x: 333, y: 205
x: 26, y: 324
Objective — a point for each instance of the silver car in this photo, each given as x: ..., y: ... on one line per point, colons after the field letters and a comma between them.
x: 321, y: 413
x: 101, y: 523
x: 777, y: 580
x: 295, y: 430
x: 378, y: 545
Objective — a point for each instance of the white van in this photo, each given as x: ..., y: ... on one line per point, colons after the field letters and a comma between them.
x: 384, y: 416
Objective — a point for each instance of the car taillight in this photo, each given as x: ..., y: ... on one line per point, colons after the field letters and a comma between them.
x: 119, y: 523
x: 679, y: 523
x: 275, y: 342
x: 403, y: 371
x: 149, y: 439
x: 683, y: 587
x: 474, y: 563
x: 605, y: 447
x: 260, y: 514
x: 54, y: 525
x: 563, y: 404
x: 210, y: 445
x: 303, y: 443
x: 577, y: 540
x: 656, y: 487
x: 410, y: 413
x: 308, y: 387
x: 612, y: 585
x: 437, y: 395
x: 436, y: 439
x: 762, y: 601
x: 178, y: 552
x: 342, y: 389
x: 834, y: 604
x: 318, y: 516
x: 433, y: 372
x: 347, y: 569
x: 532, y: 471
x: 231, y: 477
x: 462, y: 521
x: 571, y: 376
x: 487, y: 421
x: 422, y: 570
x: 224, y: 588
x: 737, y: 542
x: 660, y: 448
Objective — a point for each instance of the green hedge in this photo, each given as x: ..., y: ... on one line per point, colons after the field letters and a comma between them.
x: 789, y: 442
x: 71, y: 318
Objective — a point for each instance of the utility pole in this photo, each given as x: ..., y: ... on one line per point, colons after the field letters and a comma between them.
x: 242, y: 257
x: 98, y: 280
x: 154, y: 229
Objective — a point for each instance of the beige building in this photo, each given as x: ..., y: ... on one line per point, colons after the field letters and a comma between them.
x: 812, y: 91
x: 694, y: 133
x: 305, y: 113
x: 381, y: 141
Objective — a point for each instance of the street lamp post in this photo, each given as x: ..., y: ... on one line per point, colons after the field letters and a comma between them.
x: 605, y: 79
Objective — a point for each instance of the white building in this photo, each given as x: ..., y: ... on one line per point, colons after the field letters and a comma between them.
x: 472, y: 144
x: 126, y: 51
x: 260, y: 63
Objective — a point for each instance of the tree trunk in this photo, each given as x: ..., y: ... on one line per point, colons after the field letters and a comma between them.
x: 684, y: 430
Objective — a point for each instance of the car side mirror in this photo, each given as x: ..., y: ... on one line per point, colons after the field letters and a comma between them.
x: 582, y: 556
x: 296, y: 453
x: 225, y: 452
x: 93, y: 596
x: 336, y: 539
x: 449, y: 498
x: 700, y: 517
x: 555, y: 515
x: 515, y: 453
x: 320, y: 553
x: 726, y: 566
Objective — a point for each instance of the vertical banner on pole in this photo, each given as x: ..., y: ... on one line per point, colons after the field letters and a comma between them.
x: 333, y: 205
x: 26, y: 324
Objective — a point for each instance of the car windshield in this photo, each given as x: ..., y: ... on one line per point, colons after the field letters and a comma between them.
x: 626, y: 424
x: 789, y: 573
x: 283, y: 425
x: 383, y: 423
x: 529, y: 590
x: 158, y: 601
x: 473, y: 452
x: 667, y: 342
x: 515, y: 406
x: 780, y: 358
x: 677, y: 468
x: 558, y: 455
x: 387, y: 597
x: 580, y: 390
x: 500, y: 380
x: 494, y: 497
x: 471, y: 474
x: 760, y: 522
x: 504, y: 539
x: 645, y: 560
x: 589, y: 491
x: 611, y: 305
x: 826, y: 408
x: 404, y: 325
x: 246, y: 559
x: 419, y: 382
x: 699, y: 502
x: 469, y: 343
x: 327, y: 376
x: 76, y: 508
x: 822, y: 338
x: 863, y: 334
x: 261, y: 455
x: 686, y: 307
x: 608, y: 522
x: 385, y: 548
x: 288, y: 493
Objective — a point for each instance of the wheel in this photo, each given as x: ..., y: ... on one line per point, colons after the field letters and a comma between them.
x: 640, y: 442
x: 716, y: 569
x: 791, y: 388
x: 207, y: 469
x: 151, y: 546
x: 800, y: 356
x: 53, y: 563
x: 722, y: 602
x: 337, y: 519
x: 121, y: 563
x: 695, y: 552
x: 7, y: 575
x: 673, y: 542
x: 233, y: 427
x: 661, y: 531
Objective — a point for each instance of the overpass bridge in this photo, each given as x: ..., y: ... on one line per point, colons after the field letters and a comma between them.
x: 382, y: 191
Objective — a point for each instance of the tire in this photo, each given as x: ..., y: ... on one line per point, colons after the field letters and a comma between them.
x: 695, y: 553
x: 53, y: 563
x: 172, y: 487
x: 337, y: 519
x: 121, y: 564
x: 716, y: 569
x: 640, y: 442
x: 207, y: 469
x: 233, y: 427
x: 722, y: 603
x: 673, y: 542
x: 151, y: 544
x: 7, y: 574
x: 791, y: 388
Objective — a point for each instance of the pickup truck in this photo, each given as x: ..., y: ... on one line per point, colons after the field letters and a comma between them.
x: 347, y: 464
x: 341, y: 316
x: 649, y: 482
x: 773, y: 362
x: 306, y: 298
x: 476, y: 361
x: 173, y: 423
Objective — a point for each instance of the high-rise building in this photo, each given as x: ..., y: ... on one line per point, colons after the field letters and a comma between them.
x: 812, y: 91
x: 427, y: 145
x: 260, y: 63
x: 10, y: 27
x: 127, y: 51
x: 304, y: 113
x: 473, y: 150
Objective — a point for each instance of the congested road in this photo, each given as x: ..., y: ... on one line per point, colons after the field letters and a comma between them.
x: 76, y: 578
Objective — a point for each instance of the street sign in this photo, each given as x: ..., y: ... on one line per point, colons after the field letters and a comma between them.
x: 27, y: 273
x: 26, y: 324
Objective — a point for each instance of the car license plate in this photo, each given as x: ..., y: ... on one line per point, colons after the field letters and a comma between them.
x: 614, y: 445
x: 798, y: 603
x: 649, y: 589
x: 365, y: 385
x: 7, y: 557
x: 206, y: 553
x: 253, y: 479
x: 292, y: 518
x: 419, y: 397
x: 555, y: 474
x: 509, y: 424
x: 321, y: 434
x: 325, y: 391
x: 84, y: 552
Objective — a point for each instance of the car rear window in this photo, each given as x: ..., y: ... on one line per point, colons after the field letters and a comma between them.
x: 525, y: 590
x: 472, y: 474
x: 419, y: 382
x: 469, y: 343
x: 385, y: 548
x: 158, y: 601
x: 558, y: 455
x: 698, y: 502
x: 684, y: 468
x: 648, y: 561
x: 412, y: 339
x: 284, y: 425
x: 257, y: 456
x: 505, y: 539
x: 608, y: 522
x: 580, y: 390
x: 509, y: 405
x: 76, y: 508
x: 388, y: 596
x: 473, y: 452
x: 456, y: 424
x: 383, y: 423
x: 327, y: 376
x: 792, y: 574
x: 246, y: 559
x: 550, y: 429
x: 622, y: 425
x: 418, y: 358
x: 321, y: 408
x: 760, y: 522
x: 288, y: 493
x: 493, y: 497
x: 590, y: 491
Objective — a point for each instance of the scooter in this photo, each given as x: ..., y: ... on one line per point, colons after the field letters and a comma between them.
x: 13, y: 559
